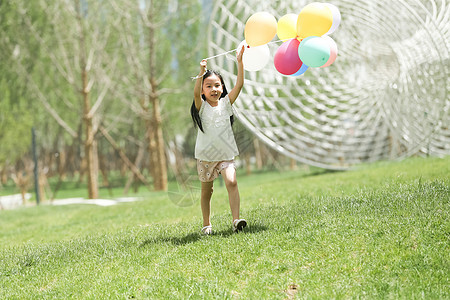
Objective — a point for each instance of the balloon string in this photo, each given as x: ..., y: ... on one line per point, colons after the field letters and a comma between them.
x: 225, y: 53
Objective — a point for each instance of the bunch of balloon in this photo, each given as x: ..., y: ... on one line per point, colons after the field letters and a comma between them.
x: 306, y: 39
x: 259, y: 30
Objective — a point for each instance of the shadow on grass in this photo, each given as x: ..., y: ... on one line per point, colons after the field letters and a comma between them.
x: 195, y: 236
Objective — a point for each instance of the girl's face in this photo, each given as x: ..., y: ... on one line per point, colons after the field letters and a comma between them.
x: 212, y: 88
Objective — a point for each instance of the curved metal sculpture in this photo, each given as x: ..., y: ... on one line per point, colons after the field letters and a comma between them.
x: 385, y: 97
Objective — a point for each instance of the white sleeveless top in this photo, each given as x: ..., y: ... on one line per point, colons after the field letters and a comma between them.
x: 217, y: 143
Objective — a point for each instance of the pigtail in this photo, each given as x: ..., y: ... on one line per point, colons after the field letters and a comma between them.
x: 196, y: 117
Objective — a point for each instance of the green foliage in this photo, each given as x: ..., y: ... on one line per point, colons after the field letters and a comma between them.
x: 18, y: 110
x: 28, y: 74
x: 15, y: 127
x: 377, y: 232
x: 186, y: 37
x: 41, y: 56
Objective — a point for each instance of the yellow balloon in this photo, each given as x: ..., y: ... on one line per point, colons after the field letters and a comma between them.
x: 315, y: 19
x: 260, y: 29
x: 287, y: 27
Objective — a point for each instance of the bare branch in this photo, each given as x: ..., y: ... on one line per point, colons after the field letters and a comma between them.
x: 125, y: 159
x: 50, y: 53
x: 44, y: 101
x: 100, y: 98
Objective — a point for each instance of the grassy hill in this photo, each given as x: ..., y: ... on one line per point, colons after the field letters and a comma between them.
x: 379, y: 231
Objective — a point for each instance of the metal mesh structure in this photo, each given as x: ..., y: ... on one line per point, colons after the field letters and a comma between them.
x: 385, y: 96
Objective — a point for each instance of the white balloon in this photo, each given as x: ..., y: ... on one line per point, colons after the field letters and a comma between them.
x: 336, y: 17
x: 254, y: 58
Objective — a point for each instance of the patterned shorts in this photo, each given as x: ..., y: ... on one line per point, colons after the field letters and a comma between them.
x: 208, y: 171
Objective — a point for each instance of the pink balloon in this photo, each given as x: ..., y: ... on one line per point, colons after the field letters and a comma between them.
x: 286, y: 59
x: 333, y: 50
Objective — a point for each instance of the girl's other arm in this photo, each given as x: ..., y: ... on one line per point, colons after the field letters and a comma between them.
x: 240, y: 78
x: 198, y: 85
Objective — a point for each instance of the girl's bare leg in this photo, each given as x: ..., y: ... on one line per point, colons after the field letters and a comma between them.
x: 207, y: 190
x: 229, y: 176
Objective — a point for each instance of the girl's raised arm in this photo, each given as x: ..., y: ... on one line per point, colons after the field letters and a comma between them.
x: 240, y: 78
x: 198, y: 85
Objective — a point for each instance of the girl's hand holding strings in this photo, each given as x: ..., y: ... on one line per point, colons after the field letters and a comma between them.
x: 203, y: 66
x: 202, y: 69
x: 240, y: 54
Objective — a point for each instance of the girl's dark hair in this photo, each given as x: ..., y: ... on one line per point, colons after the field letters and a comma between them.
x: 194, y: 112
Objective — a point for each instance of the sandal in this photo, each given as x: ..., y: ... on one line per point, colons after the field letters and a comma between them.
x: 239, y: 225
x: 207, y: 230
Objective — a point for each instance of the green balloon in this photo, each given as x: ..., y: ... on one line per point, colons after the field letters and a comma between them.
x: 314, y: 51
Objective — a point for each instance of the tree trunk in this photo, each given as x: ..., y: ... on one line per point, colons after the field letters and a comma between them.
x: 248, y: 167
x: 91, y: 161
x: 62, y: 162
x: 23, y: 177
x: 158, y: 155
x: 137, y: 162
x: 179, y: 160
x: 155, y: 135
x: 43, y: 184
x: 293, y: 164
x: 4, y: 176
x: 258, y: 154
x: 89, y: 142
x: 104, y: 170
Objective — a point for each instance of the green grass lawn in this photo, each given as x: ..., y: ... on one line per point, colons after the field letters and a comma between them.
x: 379, y: 231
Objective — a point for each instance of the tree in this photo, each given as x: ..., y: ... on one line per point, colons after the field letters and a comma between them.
x: 15, y: 127
x: 162, y: 48
x: 77, y: 51
x: 17, y: 114
x: 87, y: 64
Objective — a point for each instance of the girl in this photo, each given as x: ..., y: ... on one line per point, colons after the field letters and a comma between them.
x: 215, y: 147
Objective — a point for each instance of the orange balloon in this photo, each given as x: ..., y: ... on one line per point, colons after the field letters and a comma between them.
x: 260, y: 29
